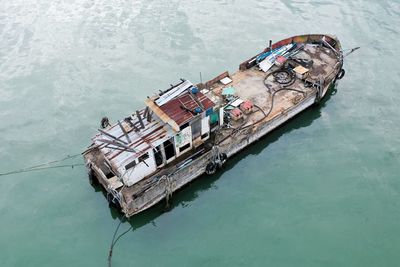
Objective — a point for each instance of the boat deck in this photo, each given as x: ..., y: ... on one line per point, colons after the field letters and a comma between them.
x: 270, y: 98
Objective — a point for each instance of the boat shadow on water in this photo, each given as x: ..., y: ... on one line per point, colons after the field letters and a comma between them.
x: 204, y: 183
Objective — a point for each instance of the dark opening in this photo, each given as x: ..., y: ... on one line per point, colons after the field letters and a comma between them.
x: 183, y: 126
x: 204, y: 136
x: 158, y: 156
x: 106, y: 169
x: 110, y: 175
x: 183, y: 148
x: 130, y: 165
x: 143, y: 157
x: 169, y: 149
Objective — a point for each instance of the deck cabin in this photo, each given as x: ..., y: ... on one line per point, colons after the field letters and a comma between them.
x: 173, y: 123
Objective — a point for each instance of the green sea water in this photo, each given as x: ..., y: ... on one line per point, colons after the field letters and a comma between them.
x: 323, y: 190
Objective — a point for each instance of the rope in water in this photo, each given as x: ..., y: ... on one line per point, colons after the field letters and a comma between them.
x: 115, y: 240
x: 46, y: 165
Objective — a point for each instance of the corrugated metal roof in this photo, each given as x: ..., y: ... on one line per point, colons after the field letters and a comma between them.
x: 153, y: 133
x: 176, y: 91
x: 178, y: 108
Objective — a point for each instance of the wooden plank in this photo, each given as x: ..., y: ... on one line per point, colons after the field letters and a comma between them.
x: 146, y: 112
x: 112, y: 136
x: 114, y: 143
x: 164, y: 117
x: 195, y: 99
x: 149, y: 116
x: 125, y: 133
x: 140, y: 119
x: 216, y: 79
x: 135, y: 128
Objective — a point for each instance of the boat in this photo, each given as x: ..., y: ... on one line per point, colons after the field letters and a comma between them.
x: 188, y: 130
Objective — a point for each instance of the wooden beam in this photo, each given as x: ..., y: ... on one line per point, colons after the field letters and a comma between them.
x: 194, y: 97
x: 112, y: 136
x: 149, y: 116
x: 145, y: 112
x: 164, y: 117
x: 140, y: 119
x: 135, y: 128
x: 114, y: 143
x: 125, y: 133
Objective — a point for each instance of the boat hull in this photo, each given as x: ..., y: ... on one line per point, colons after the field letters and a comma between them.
x: 135, y: 199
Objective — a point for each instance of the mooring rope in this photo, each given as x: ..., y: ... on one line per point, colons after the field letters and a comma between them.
x: 115, y: 240
x: 45, y: 166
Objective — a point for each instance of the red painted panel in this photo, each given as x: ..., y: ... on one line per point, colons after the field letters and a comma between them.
x: 181, y: 115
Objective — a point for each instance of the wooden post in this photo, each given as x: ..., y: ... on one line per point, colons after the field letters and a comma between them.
x: 145, y: 112
x: 140, y: 119
x: 149, y: 116
x: 125, y: 133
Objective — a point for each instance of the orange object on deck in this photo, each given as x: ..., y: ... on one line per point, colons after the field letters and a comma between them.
x: 246, y: 106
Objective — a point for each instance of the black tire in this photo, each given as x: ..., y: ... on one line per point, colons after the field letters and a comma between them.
x: 341, y: 74
x: 211, y: 168
x: 104, y: 122
x: 223, y: 157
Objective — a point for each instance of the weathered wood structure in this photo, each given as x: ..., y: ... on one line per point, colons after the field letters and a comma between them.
x: 188, y: 129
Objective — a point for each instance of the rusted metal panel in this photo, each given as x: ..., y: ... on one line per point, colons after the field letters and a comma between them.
x: 178, y: 109
x: 216, y: 79
x: 282, y: 43
x: 161, y: 114
x: 300, y: 39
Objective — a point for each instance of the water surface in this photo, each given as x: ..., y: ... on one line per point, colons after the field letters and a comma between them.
x: 323, y: 190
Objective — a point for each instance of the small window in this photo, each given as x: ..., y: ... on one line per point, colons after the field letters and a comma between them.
x: 130, y: 165
x: 204, y: 136
x: 158, y: 156
x: 143, y: 157
x: 183, y: 148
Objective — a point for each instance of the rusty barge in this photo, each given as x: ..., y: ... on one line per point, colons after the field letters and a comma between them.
x: 188, y: 130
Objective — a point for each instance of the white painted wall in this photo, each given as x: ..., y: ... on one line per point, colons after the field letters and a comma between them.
x: 139, y: 171
x: 183, y: 138
x: 221, y: 116
x: 205, y: 126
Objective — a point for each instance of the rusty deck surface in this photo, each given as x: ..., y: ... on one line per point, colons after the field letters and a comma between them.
x: 250, y: 84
